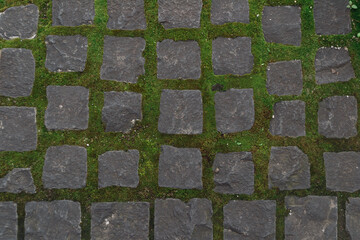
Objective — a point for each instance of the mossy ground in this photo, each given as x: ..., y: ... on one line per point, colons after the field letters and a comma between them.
x: 145, y: 136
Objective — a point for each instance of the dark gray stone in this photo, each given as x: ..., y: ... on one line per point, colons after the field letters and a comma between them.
x: 311, y: 217
x: 122, y: 59
x: 126, y: 14
x: 181, y: 112
x: 250, y: 220
x: 332, y: 17
x: 282, y: 24
x: 56, y: 220
x: 353, y: 218
x: 65, y: 167
x: 19, y: 22
x: 119, y: 168
x: 342, y: 171
x: 18, y: 129
x: 288, y: 119
x: 8, y: 221
x: 180, y: 168
x: 289, y: 168
x: 72, y: 12
x: 333, y: 65
x: 17, y: 67
x: 120, y: 220
x: 121, y: 111
x: 337, y: 117
x: 284, y: 78
x: 228, y: 11
x: 178, y: 60
x: 234, y: 110
x: 175, y: 219
x: 232, y: 56
x: 18, y: 180
x: 234, y: 173
x: 67, y: 108
x: 179, y: 13
x: 66, y: 53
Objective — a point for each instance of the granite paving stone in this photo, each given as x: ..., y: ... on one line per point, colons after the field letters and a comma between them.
x: 8, y: 221
x: 229, y: 11
x: 72, y: 13
x: 126, y: 15
x: 18, y: 180
x: 352, y: 213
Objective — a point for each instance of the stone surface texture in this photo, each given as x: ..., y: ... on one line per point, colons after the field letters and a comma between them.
x: 72, y: 13
x: 8, y: 221
x: 18, y: 180
x: 126, y: 14
x: 352, y: 215
x: 228, y: 11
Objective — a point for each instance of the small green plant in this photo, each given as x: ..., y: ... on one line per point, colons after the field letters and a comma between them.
x: 358, y: 35
x: 351, y: 5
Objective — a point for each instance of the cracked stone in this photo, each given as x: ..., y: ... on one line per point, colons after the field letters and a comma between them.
x: 8, y: 221
x: 126, y: 14
x: 353, y: 218
x: 229, y: 11
x: 72, y: 12
x: 18, y: 180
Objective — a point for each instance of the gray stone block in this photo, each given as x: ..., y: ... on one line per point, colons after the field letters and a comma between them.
x: 8, y: 221
x: 18, y: 180
x: 72, y: 12
x: 353, y: 218
x: 228, y: 11
x: 126, y: 14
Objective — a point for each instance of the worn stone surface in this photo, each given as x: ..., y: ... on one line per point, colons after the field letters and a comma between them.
x: 66, y: 53
x: 179, y: 13
x: 234, y: 110
x: 180, y: 168
x: 289, y: 168
x: 353, y: 218
x: 333, y: 65
x: 175, y: 219
x: 56, y: 220
x: 311, y: 217
x: 284, y: 78
x: 250, y: 220
x: 121, y: 110
x: 234, y: 173
x: 122, y: 59
x: 126, y: 14
x: 67, y: 108
x: 119, y: 168
x: 178, y: 59
x: 19, y: 22
x: 17, y: 68
x: 65, y: 167
x: 18, y: 130
x: 228, y: 11
x: 332, y: 17
x: 342, y: 171
x: 282, y: 24
x: 72, y: 12
x: 8, y: 221
x: 288, y: 119
x: 337, y: 117
x: 18, y: 180
x: 232, y: 56
x: 181, y: 112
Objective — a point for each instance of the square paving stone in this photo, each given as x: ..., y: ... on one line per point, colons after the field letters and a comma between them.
x: 179, y: 13
x: 353, y: 218
x: 228, y: 11
x: 234, y: 110
x: 332, y: 17
x: 289, y: 168
x: 120, y: 220
x: 284, y: 78
x: 19, y: 22
x: 67, y: 108
x: 18, y: 129
x: 121, y: 110
x: 232, y: 56
x: 17, y: 67
x: 126, y: 14
x: 18, y: 180
x: 175, y: 219
x: 282, y: 24
x: 250, y: 220
x: 288, y: 119
x: 234, y: 173
x: 65, y: 167
x: 72, y: 12
x: 337, y: 117
x: 56, y: 220
x: 119, y: 168
x: 66, y: 53
x: 333, y: 65
x: 311, y: 217
x: 8, y: 221
x: 122, y: 59
x: 181, y: 112
x: 342, y: 171
x: 180, y: 168
x: 178, y: 60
